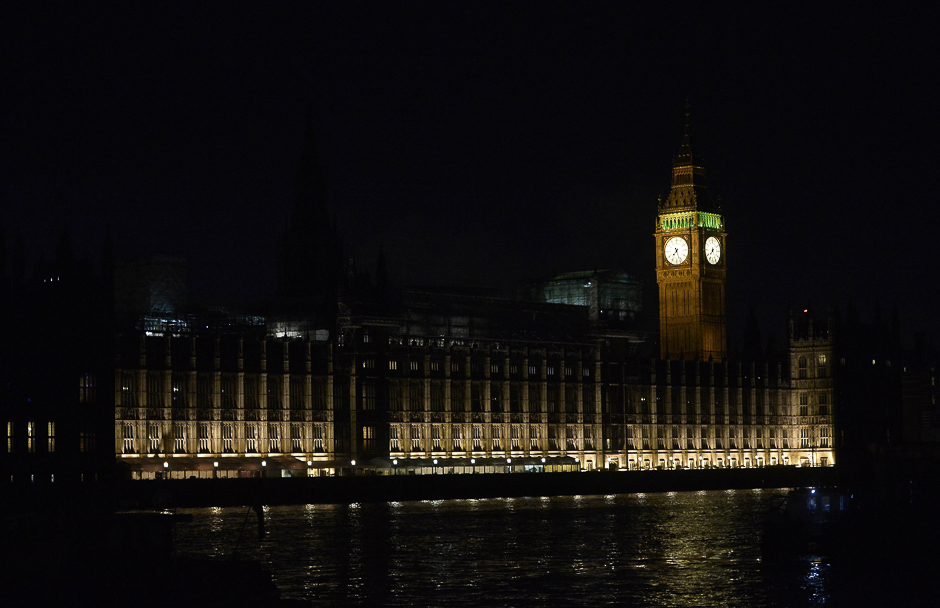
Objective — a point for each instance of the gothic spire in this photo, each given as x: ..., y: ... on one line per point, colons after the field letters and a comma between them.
x: 688, y: 174
x: 310, y: 260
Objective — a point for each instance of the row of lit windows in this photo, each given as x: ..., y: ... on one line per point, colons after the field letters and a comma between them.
x: 822, y: 367
x: 495, y: 368
x: 253, y: 442
x: 86, y: 440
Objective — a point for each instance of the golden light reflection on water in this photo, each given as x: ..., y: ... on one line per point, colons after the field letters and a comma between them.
x: 677, y: 549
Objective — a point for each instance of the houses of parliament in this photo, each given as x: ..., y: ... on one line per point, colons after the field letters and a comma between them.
x: 351, y: 376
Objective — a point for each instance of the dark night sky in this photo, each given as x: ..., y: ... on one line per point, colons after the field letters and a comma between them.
x: 483, y: 144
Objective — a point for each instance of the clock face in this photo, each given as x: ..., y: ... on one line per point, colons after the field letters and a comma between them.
x: 677, y: 250
x: 712, y: 250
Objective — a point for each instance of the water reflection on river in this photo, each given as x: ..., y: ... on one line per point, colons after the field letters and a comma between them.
x: 675, y: 549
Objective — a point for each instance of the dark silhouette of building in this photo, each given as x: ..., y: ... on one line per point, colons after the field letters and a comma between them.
x: 56, y: 368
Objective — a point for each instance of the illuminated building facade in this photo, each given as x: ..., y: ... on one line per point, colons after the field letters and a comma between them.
x: 812, y: 392
x: 428, y: 381
x: 391, y: 402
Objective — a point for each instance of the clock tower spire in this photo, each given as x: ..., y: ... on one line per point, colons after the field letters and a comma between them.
x: 690, y: 263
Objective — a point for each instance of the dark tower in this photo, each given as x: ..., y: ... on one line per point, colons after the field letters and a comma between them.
x: 690, y: 263
x: 310, y: 263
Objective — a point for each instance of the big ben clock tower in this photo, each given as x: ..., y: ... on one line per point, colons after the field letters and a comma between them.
x: 690, y: 264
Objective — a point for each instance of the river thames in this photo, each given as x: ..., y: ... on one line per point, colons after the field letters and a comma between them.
x: 668, y: 549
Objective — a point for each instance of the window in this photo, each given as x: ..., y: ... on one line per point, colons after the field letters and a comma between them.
x: 180, y: 398
x: 128, y: 436
x: 393, y: 365
x: 228, y: 436
x: 497, y: 438
x: 804, y: 438
x: 513, y: 369
x: 153, y: 437
x: 476, y: 397
x: 437, y: 396
x: 477, y: 437
x: 274, y: 438
x: 154, y: 394
x: 319, y: 394
x: 515, y: 398
x: 571, y: 437
x: 318, y: 438
x: 550, y: 370
x: 9, y: 436
x: 571, y: 399
x: 86, y: 388
x: 458, y: 402
x: 586, y: 372
x: 415, y: 438
x: 494, y: 369
x: 30, y: 437
x: 496, y: 397
x: 252, y: 392
x: 824, y: 437
x: 533, y: 437
x: 366, y: 338
x: 456, y: 434
x: 514, y: 436
x: 821, y: 366
x: 368, y: 363
x: 203, y: 437
x: 436, y: 437
x: 568, y: 371
x: 368, y: 435
x: 228, y: 395
x: 251, y: 438
x: 454, y: 367
x: 368, y: 396
x: 393, y: 441
x: 296, y: 396
x: 296, y: 437
x: 128, y: 389
x: 802, y: 367
x: 552, y: 399
x: 552, y: 437
x: 204, y: 395
x: 414, y: 366
x: 179, y: 437
x: 532, y: 370
x: 394, y: 396
x: 416, y: 396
